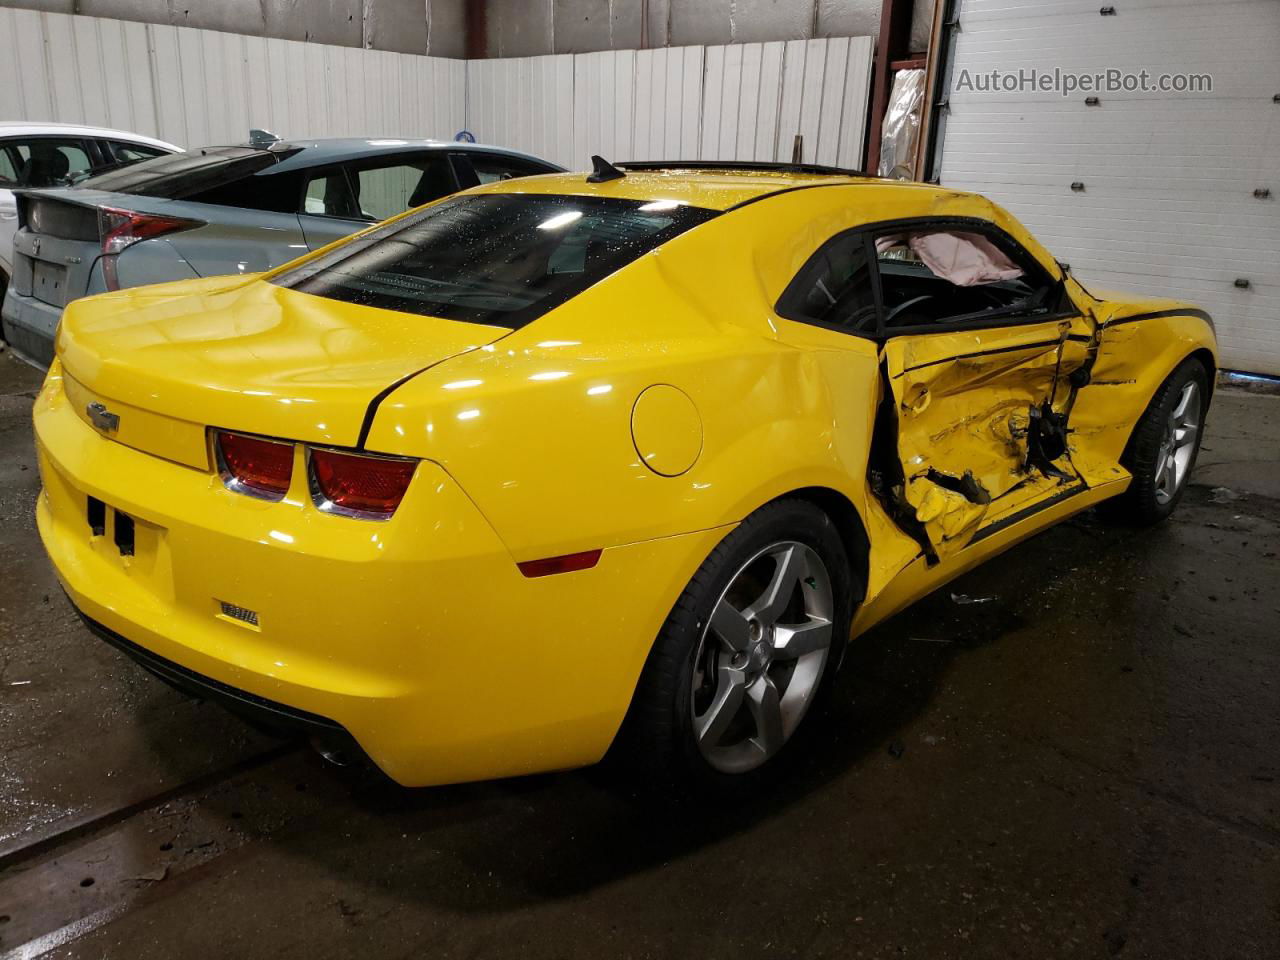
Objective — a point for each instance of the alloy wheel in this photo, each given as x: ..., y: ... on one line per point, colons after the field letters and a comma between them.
x: 1178, y: 444
x: 761, y: 656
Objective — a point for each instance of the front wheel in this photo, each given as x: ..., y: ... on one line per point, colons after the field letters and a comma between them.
x: 749, y: 648
x: 1164, y: 446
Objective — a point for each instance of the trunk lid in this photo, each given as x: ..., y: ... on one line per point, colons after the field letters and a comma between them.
x: 243, y: 354
x: 59, y: 247
x: 55, y: 254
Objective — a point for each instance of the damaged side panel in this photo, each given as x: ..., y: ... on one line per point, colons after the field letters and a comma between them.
x: 980, y: 423
x: 1136, y: 352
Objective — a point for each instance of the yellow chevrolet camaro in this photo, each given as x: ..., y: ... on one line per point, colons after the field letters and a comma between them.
x: 573, y: 462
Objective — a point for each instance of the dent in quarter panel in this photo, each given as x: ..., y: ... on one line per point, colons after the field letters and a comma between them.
x: 846, y: 368
x: 535, y: 454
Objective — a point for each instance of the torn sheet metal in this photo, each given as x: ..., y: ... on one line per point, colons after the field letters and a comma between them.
x: 1121, y: 383
x: 981, y: 424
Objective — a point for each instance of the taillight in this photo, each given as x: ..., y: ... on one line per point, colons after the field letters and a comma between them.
x: 260, y: 468
x: 358, y: 485
x: 120, y: 229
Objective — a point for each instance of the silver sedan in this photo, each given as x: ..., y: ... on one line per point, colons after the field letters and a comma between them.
x: 221, y: 210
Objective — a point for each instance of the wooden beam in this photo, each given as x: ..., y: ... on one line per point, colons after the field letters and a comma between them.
x: 477, y: 27
x: 894, y: 43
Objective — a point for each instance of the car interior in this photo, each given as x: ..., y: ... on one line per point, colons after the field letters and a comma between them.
x: 375, y: 193
x: 927, y: 278
x: 41, y: 162
x: 940, y: 276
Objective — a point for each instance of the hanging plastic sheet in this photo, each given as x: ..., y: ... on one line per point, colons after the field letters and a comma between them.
x: 900, y: 130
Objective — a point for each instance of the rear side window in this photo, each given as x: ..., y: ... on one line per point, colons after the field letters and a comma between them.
x: 9, y: 163
x: 498, y: 259
x: 376, y: 191
x: 834, y: 288
x: 182, y: 176
x: 386, y: 190
x: 44, y: 161
x: 329, y: 194
x: 940, y: 277
x: 133, y: 152
x: 927, y: 277
x: 475, y: 168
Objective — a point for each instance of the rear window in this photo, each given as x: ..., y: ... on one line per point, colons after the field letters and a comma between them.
x: 53, y: 218
x: 181, y: 176
x: 498, y: 259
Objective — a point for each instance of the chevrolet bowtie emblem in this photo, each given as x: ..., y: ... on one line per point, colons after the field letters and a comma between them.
x: 102, y: 418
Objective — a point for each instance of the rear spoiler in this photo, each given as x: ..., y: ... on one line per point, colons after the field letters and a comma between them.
x: 95, y: 217
x: 757, y: 166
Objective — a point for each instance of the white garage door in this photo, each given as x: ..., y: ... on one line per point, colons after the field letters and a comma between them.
x: 1164, y: 202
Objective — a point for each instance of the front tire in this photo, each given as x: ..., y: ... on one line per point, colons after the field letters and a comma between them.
x: 1164, y: 446
x: 750, y: 646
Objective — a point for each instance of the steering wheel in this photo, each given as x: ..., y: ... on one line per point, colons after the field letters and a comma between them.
x: 859, y: 318
x: 854, y: 320
x: 992, y: 297
x: 905, y: 306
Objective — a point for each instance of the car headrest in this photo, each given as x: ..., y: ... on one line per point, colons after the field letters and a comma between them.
x: 338, y: 201
x: 45, y: 167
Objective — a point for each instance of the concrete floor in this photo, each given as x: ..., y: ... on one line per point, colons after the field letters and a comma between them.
x: 1085, y: 765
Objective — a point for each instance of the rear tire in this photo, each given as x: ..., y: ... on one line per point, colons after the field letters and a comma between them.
x: 749, y: 648
x: 1162, y: 451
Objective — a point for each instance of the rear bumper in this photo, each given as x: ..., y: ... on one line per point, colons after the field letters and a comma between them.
x: 256, y: 709
x: 29, y: 326
x: 418, y: 636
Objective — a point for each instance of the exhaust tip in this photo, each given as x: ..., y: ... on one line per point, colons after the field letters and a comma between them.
x: 337, y: 750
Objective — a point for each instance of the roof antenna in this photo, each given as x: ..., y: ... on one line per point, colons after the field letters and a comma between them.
x: 602, y: 171
x: 261, y: 138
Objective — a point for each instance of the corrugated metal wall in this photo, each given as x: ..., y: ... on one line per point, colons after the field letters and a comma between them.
x: 425, y: 27
x: 519, y: 28
x: 199, y: 87
x: 741, y: 102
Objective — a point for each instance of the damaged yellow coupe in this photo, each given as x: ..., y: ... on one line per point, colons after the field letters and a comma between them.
x: 588, y: 462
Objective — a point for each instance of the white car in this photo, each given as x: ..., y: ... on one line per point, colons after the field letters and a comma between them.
x: 55, y: 154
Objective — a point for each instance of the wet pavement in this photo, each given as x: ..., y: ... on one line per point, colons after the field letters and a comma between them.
x: 1083, y: 763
